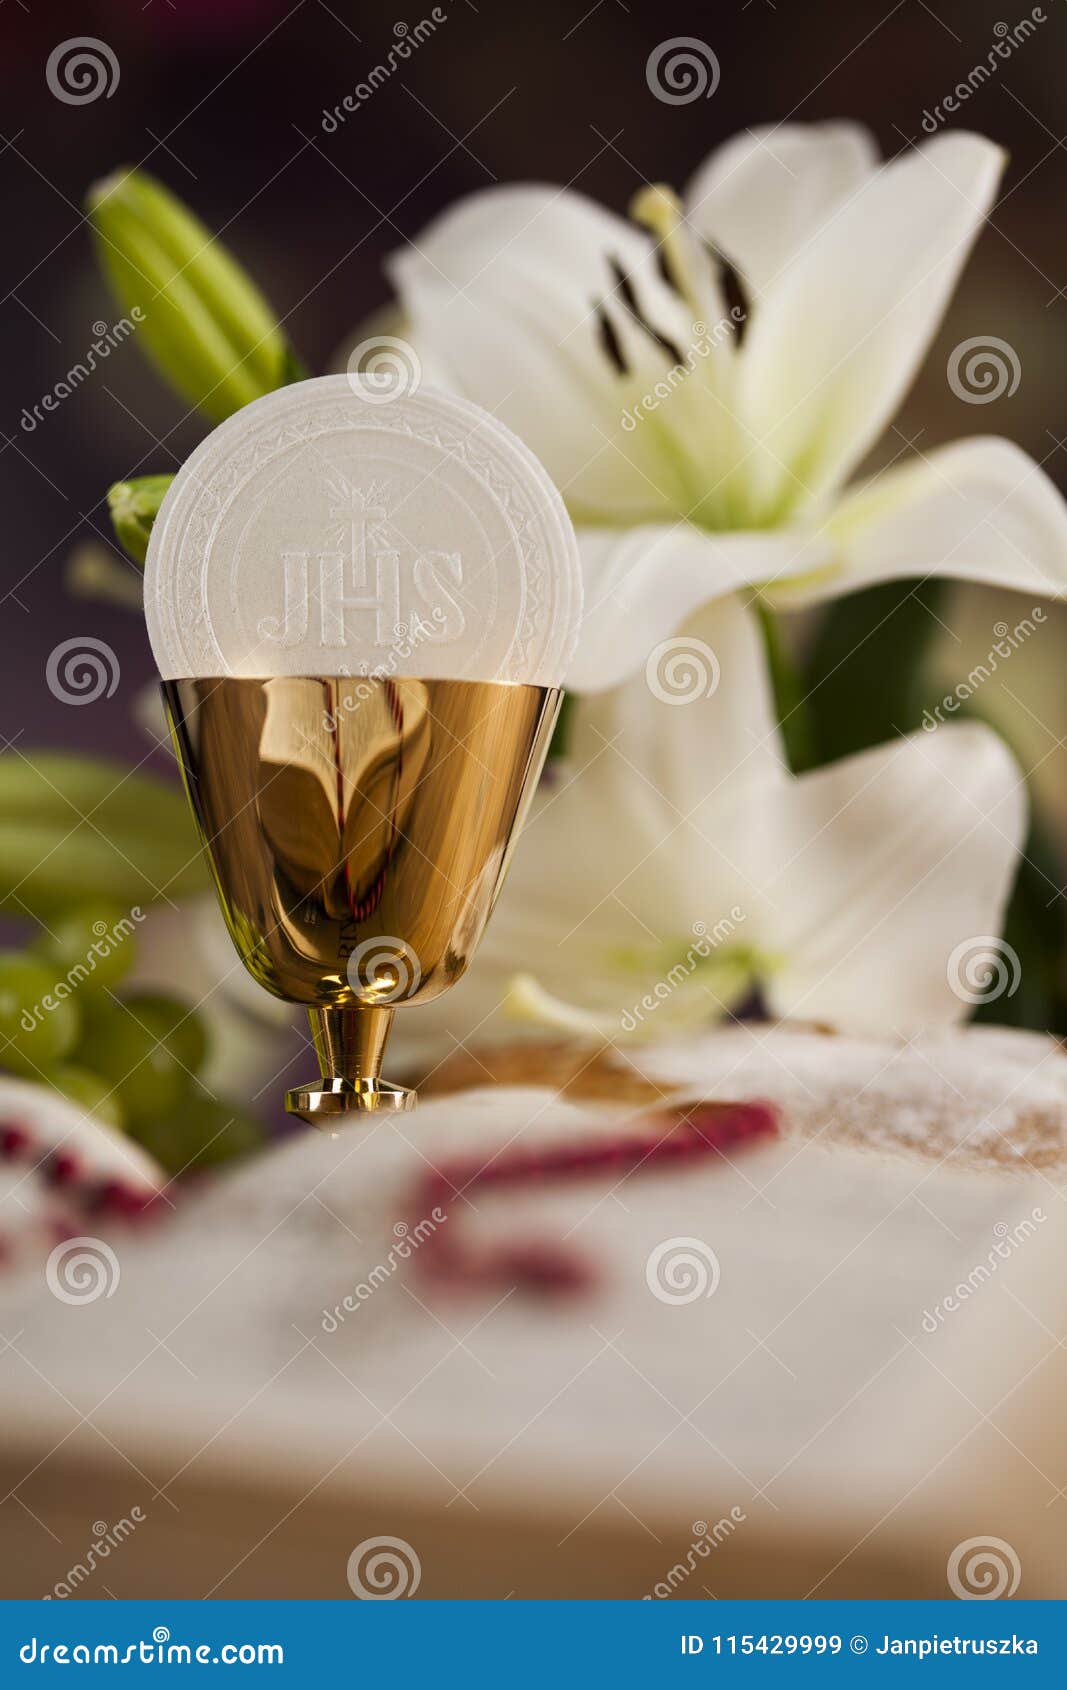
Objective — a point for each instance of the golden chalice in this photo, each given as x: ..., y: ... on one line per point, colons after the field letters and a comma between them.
x: 319, y: 546
x: 358, y: 830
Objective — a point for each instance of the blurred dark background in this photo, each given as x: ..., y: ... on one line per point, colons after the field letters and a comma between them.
x: 224, y: 99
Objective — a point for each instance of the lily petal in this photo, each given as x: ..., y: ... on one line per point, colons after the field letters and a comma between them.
x: 890, y: 861
x: 527, y: 1000
x: 707, y: 725
x: 835, y: 345
x: 641, y: 584
x: 505, y: 293
x: 643, y: 834
x: 851, y: 890
x: 979, y: 510
x: 766, y: 192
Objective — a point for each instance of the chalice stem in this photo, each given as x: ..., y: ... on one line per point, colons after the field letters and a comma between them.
x: 349, y: 1043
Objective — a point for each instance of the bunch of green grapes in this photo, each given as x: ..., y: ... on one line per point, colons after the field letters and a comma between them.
x: 130, y: 1060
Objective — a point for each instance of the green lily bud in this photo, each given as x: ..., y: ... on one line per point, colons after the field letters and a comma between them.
x: 200, y: 318
x: 134, y: 506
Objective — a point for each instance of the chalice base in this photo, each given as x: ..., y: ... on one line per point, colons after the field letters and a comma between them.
x: 322, y: 1101
x: 349, y: 1045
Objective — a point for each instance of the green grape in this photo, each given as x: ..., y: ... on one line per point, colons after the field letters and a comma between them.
x: 90, y: 944
x: 179, y: 1021
x: 89, y: 1092
x: 163, y: 1138
x: 201, y: 1133
x: 38, y: 1020
x: 227, y: 1132
x: 132, y: 1052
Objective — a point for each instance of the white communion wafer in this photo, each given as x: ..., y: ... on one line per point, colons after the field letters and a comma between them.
x: 322, y: 531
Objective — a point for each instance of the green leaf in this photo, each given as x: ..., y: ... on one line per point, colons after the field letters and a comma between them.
x: 791, y: 704
x: 865, y: 673
x: 559, y: 745
x: 1035, y: 929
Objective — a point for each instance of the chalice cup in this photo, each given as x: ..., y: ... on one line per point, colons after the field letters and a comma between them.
x: 358, y: 831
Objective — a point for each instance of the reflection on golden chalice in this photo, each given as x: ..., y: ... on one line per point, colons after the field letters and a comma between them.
x: 358, y: 830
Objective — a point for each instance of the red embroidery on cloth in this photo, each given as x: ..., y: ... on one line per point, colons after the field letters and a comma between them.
x: 674, y: 1136
x: 76, y: 1190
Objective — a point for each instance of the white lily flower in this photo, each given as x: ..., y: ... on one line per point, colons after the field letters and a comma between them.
x: 702, y: 388
x: 676, y: 866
